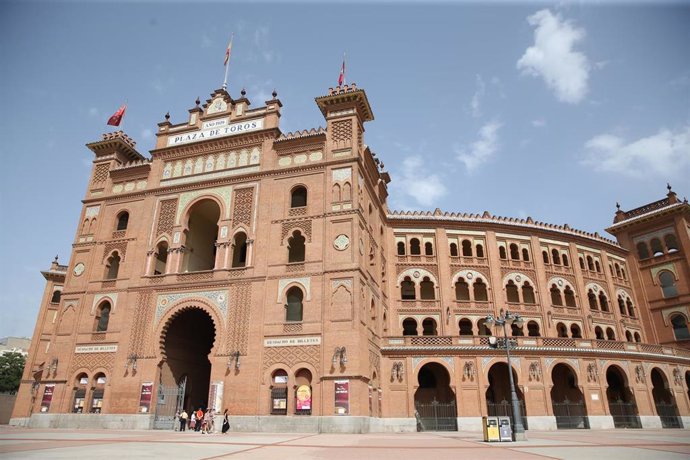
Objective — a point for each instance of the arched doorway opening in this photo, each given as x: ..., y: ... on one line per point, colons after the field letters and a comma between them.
x: 567, y: 400
x: 185, y: 372
x: 498, y: 403
x: 434, y: 400
x: 622, y: 405
x: 201, y: 236
x: 664, y: 401
x: 303, y: 392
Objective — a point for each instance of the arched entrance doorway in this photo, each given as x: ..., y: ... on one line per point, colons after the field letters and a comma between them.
x: 185, y: 371
x: 567, y: 400
x: 664, y: 401
x: 622, y: 405
x: 434, y: 400
x: 498, y: 401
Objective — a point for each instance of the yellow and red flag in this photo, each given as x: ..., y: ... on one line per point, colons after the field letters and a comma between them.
x: 227, y: 52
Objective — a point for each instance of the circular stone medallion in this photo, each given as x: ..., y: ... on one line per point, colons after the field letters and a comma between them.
x: 79, y: 269
x: 341, y: 242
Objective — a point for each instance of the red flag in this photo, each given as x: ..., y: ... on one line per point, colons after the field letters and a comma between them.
x: 227, y: 51
x: 341, y: 78
x: 117, y: 116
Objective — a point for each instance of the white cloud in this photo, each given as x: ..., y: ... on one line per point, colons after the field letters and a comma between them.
x: 663, y: 154
x: 539, y: 123
x: 481, y: 150
x: 412, y: 182
x: 553, y: 58
x: 478, y: 95
x: 261, y: 35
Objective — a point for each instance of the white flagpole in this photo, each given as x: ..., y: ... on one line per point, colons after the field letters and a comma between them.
x: 344, y: 71
x: 227, y: 65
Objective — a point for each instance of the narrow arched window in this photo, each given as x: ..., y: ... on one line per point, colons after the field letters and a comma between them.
x: 453, y: 250
x: 480, y: 292
x: 466, y: 248
x: 621, y: 305
x: 401, y: 248
x: 533, y: 329
x: 296, y: 248
x: 336, y: 195
x: 479, y: 250
x: 161, y: 261
x: 56, y: 297
x: 628, y: 336
x: 482, y: 329
x: 625, y: 277
x: 590, y: 263
x: 545, y: 256
x: 294, y: 308
x: 599, y: 333
x: 429, y: 327
x: 657, y: 249
x: 555, y: 256
x: 638, y: 338
x: 462, y: 290
x: 603, y: 302
x: 528, y: 293
x: 426, y: 289
x: 525, y: 254
x: 582, y: 263
x: 103, y: 317
x: 502, y: 252
x: 618, y: 270
x: 415, y: 249
x: 562, y: 330
x: 569, y: 297
x: 516, y: 330
x: 671, y: 243
x: 465, y: 326
x: 298, y: 197
x: 592, y: 298
x: 122, y: 221
x: 566, y: 263
x: 428, y: 249
x: 597, y: 266
x: 239, y: 250
x: 575, y: 331
x: 409, y: 326
x: 611, y: 270
x: 680, y: 327
x: 610, y: 335
x: 631, y: 308
x: 512, y: 292
x: 556, y: 298
x: 407, y: 290
x: 514, y: 252
x: 668, y: 284
x: 112, y: 266
x: 642, y: 251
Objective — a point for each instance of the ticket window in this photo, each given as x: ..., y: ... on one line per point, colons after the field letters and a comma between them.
x: 97, y: 394
x: 80, y: 394
x: 279, y: 381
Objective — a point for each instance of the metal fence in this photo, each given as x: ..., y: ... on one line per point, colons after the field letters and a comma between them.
x: 624, y: 414
x: 668, y: 413
x: 570, y: 415
x: 505, y: 409
x: 170, y: 400
x: 436, y: 416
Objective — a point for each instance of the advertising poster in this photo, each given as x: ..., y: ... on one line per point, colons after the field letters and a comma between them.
x: 47, y: 397
x: 304, y: 397
x: 145, y: 398
x: 215, y: 396
x: 342, y: 397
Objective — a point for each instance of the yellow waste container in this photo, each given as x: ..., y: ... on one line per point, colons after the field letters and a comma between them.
x: 491, y: 432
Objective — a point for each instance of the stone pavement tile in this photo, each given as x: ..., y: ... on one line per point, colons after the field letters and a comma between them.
x: 411, y: 440
x: 609, y: 453
x: 680, y: 448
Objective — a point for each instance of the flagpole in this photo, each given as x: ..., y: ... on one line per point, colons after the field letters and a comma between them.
x: 227, y: 65
x: 344, y: 70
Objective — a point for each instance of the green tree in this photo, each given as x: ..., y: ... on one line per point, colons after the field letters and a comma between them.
x: 11, y: 369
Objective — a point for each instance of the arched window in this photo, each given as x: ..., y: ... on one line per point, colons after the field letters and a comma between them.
x: 415, y: 249
x: 680, y: 327
x: 465, y: 326
x: 603, y: 302
x: 592, y: 298
x: 631, y: 308
x: 103, y: 317
x: 528, y: 293
x: 637, y: 337
x: 428, y: 249
x: 298, y: 197
x: 582, y: 263
x: 597, y: 266
x: 98, y: 390
x: 569, y: 297
x: 611, y: 270
x: 599, y: 333
x: 610, y: 335
x: 201, y: 236
x: 628, y: 336
x: 562, y: 330
x: 512, y: 292
x: 239, y: 251
x: 516, y: 330
x: 668, y: 284
x: 657, y: 249
x: 590, y: 263
x: 545, y: 256
x: 575, y: 331
x: 618, y: 270
x: 533, y: 329
x: 555, y: 256
x: 296, y: 248
x: 407, y: 289
x: 466, y: 248
x: 514, y: 252
x: 122, y: 221
x: 294, y: 307
x: 462, y: 290
x: 112, y: 266
x: 625, y: 277
x: 671, y: 243
x: 525, y: 254
x: 409, y: 326
x: 642, y: 250
x: 502, y: 252
x: 565, y: 260
x: 429, y: 327
x: 426, y: 289
x: 556, y: 296
x: 453, y: 250
x: 401, y: 248
x: 336, y: 195
x: 56, y: 297
x: 161, y: 261
x: 479, y: 249
x: 621, y: 305
x: 480, y: 292
x: 481, y: 327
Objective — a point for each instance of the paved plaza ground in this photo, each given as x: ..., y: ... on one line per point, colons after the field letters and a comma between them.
x: 18, y: 443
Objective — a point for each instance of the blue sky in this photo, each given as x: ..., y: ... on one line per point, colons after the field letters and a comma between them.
x: 549, y: 110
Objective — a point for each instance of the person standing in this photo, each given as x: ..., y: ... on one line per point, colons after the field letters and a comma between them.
x: 183, y: 420
x: 192, y: 422
x: 176, y: 417
x: 226, y: 423
x: 199, y: 419
x: 208, y: 421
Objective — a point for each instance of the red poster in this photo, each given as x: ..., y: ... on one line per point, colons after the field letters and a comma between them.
x: 342, y: 397
x: 47, y: 397
x: 145, y: 398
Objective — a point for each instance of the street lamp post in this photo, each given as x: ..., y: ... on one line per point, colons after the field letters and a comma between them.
x: 507, y: 319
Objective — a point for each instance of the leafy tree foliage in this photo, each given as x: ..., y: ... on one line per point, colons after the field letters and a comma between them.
x: 11, y: 368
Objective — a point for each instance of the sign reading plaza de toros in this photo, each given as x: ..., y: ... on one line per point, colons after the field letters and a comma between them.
x: 218, y: 130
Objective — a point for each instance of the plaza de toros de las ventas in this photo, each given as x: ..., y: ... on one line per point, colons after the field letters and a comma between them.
x: 239, y: 267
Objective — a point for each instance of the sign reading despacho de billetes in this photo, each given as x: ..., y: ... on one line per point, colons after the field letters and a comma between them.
x: 292, y: 341
x: 206, y: 134
x: 96, y: 348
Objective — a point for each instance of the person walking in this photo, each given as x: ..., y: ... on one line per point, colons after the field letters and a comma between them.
x: 208, y: 421
x: 183, y: 420
x: 192, y: 422
x: 199, y: 419
x: 226, y: 423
